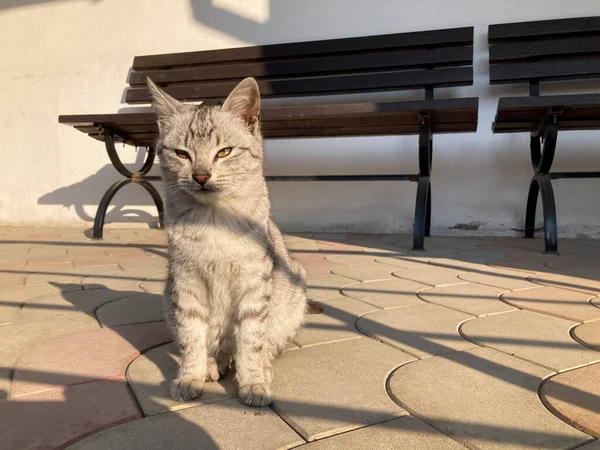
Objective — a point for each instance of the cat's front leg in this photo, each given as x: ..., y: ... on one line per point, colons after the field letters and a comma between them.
x: 187, y: 305
x: 251, y: 358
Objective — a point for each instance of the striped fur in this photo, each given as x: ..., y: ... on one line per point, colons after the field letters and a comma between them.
x: 233, y: 292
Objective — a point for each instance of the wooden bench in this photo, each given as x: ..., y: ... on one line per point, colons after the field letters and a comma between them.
x: 420, y: 60
x: 535, y: 52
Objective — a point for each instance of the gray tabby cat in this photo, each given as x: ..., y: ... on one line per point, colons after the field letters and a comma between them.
x: 232, y: 290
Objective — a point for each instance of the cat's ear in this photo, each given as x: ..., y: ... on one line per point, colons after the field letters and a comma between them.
x: 244, y: 101
x: 165, y: 105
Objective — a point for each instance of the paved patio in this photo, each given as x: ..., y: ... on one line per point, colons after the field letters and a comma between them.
x: 477, y: 342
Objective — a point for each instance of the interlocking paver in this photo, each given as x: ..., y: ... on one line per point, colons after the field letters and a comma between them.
x: 326, y: 287
x: 589, y: 334
x: 366, y: 272
x: 484, y: 399
x: 120, y: 280
x: 140, y: 308
x: 405, y: 261
x: 315, y: 264
x: 69, y: 304
x: 404, y: 433
x: 539, y: 338
x: 529, y: 264
x: 150, y: 376
x: 12, y: 298
x: 430, y: 275
x: 83, y: 356
x: 18, y: 338
x: 386, y: 293
x: 342, y: 386
x: 56, y: 418
x: 144, y: 262
x: 563, y: 303
x: 223, y: 425
x: 335, y: 323
x: 422, y: 330
x: 585, y: 282
x: 154, y: 285
x: 472, y: 298
x: 506, y: 279
x: 575, y: 397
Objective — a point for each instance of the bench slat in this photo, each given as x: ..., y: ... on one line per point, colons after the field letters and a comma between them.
x: 543, y: 29
x: 562, y: 69
x: 444, y: 77
x: 544, y: 49
x: 298, y: 67
x: 330, y: 46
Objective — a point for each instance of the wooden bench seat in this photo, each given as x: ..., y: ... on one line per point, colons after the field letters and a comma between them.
x: 536, y: 52
x: 319, y: 70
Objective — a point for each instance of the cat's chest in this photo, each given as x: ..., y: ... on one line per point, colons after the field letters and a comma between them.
x: 220, y: 246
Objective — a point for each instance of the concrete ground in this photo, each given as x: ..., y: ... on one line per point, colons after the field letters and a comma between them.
x: 477, y: 342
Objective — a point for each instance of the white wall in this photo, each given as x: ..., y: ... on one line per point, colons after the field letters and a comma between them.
x: 72, y: 56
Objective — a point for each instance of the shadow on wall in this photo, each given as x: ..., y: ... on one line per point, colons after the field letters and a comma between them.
x: 10, y: 4
x: 89, y: 191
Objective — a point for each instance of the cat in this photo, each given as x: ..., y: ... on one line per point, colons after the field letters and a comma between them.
x: 232, y: 291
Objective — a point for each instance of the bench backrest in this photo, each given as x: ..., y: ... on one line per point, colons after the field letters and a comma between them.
x: 427, y: 60
x: 546, y: 50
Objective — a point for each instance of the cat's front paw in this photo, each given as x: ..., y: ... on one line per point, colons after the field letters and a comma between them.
x: 255, y: 394
x: 183, y: 390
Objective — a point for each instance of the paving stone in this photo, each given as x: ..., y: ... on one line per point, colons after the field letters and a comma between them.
x: 506, y: 279
x: 8, y: 279
x: 315, y: 264
x: 536, y: 337
x: 529, y: 265
x: 404, y: 433
x: 595, y: 445
x: 150, y: 376
x: 386, y: 293
x: 431, y: 275
x: 479, y: 255
x: 223, y: 425
x: 574, y: 396
x: 61, y: 273
x: 366, y: 272
x: 335, y: 323
x: 422, y: 330
x: 405, y: 262
x: 140, y: 308
x: 350, y: 259
x: 484, y: 399
x: 572, y: 264
x: 586, y: 283
x: 22, y: 336
x: 326, y: 287
x: 342, y: 387
x: 46, y: 250
x: 12, y: 261
x: 101, y: 259
x: 69, y: 304
x: 470, y: 298
x: 144, y: 263
x: 563, y: 303
x: 12, y: 298
x: 84, y: 356
x: 154, y: 285
x: 121, y: 280
x: 56, y: 418
x: 589, y: 334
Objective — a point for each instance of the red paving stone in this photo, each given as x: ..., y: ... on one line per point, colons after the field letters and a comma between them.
x: 57, y: 418
x: 574, y: 396
x: 84, y: 356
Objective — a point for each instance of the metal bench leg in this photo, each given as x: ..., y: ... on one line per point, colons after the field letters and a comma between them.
x: 130, y: 177
x: 422, y: 223
x: 420, y: 226
x: 541, y: 161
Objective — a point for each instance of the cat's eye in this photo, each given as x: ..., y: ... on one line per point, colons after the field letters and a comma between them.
x: 224, y: 152
x: 182, y: 154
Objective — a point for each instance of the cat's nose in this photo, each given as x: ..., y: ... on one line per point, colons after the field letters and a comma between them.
x: 201, y: 178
